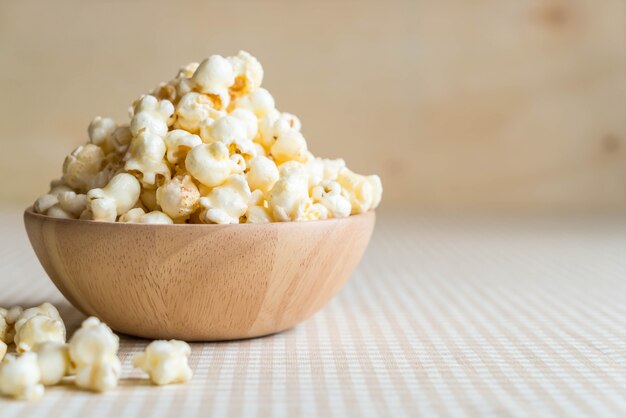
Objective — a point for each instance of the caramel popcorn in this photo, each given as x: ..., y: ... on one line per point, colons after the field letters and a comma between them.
x: 208, y: 146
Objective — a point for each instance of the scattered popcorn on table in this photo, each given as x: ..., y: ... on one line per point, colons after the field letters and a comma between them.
x: 38, y: 325
x: 208, y: 146
x: 89, y: 359
x: 165, y: 362
x: 93, y: 353
x: 5, y: 328
x: 53, y: 360
x: 12, y: 315
x: 20, y: 376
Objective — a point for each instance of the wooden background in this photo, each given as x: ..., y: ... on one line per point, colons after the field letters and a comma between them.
x: 490, y: 105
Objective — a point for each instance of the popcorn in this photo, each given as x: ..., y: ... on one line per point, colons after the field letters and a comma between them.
x: 179, y: 197
x: 152, y: 115
x: 364, y: 192
x: 14, y: 313
x: 146, y: 158
x: 93, y: 352
x: 20, y: 376
x: 260, y: 102
x: 332, y: 168
x: 166, y: 91
x: 262, y: 174
x: 56, y: 212
x: 290, y: 121
x: 211, y: 164
x: 5, y: 328
x: 92, y: 342
x: 249, y: 121
x: 248, y: 73
x: 227, y: 203
x: 258, y: 211
x: 132, y: 216
x: 270, y: 126
x: 45, y: 202
x: 187, y: 71
x: 114, y: 164
x: 139, y: 216
x: 184, y: 86
x: 99, y: 376
x: 71, y: 203
x: 81, y: 167
x: 120, y: 139
x: 328, y: 194
x: 214, y: 76
x: 290, y: 145
x: 289, y: 197
x: 313, y: 212
x: 45, y: 308
x: 101, y: 132
x: 266, y: 125
x: 118, y: 197
x: 207, y: 146
x: 193, y: 109
x: 178, y: 143
x: 178, y: 87
x: 148, y: 199
x: 156, y: 217
x: 61, y: 202
x: 37, y: 325
x: 260, y: 150
x: 48, y: 200
x: 10, y: 317
x: 53, y: 360
x: 322, y: 169
x: 165, y: 362
x: 232, y: 131
x: 90, y: 356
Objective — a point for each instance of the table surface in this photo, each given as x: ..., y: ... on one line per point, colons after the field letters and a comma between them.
x: 444, y: 317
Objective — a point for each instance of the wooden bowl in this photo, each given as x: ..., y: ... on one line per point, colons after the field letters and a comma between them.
x: 199, y: 282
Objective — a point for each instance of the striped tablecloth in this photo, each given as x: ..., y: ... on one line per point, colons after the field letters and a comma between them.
x: 444, y: 317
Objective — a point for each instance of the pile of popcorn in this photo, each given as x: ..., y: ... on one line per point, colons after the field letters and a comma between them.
x: 208, y: 146
x: 43, y: 358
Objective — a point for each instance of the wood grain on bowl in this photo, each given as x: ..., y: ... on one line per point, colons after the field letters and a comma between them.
x: 199, y: 282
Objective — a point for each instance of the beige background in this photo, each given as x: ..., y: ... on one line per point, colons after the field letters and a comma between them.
x: 487, y: 105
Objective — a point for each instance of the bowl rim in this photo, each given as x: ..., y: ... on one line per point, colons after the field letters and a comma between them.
x: 45, y: 218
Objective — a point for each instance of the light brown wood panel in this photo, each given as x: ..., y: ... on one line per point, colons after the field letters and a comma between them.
x: 482, y: 105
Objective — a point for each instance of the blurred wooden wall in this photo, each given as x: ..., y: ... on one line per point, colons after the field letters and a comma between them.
x: 485, y: 105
